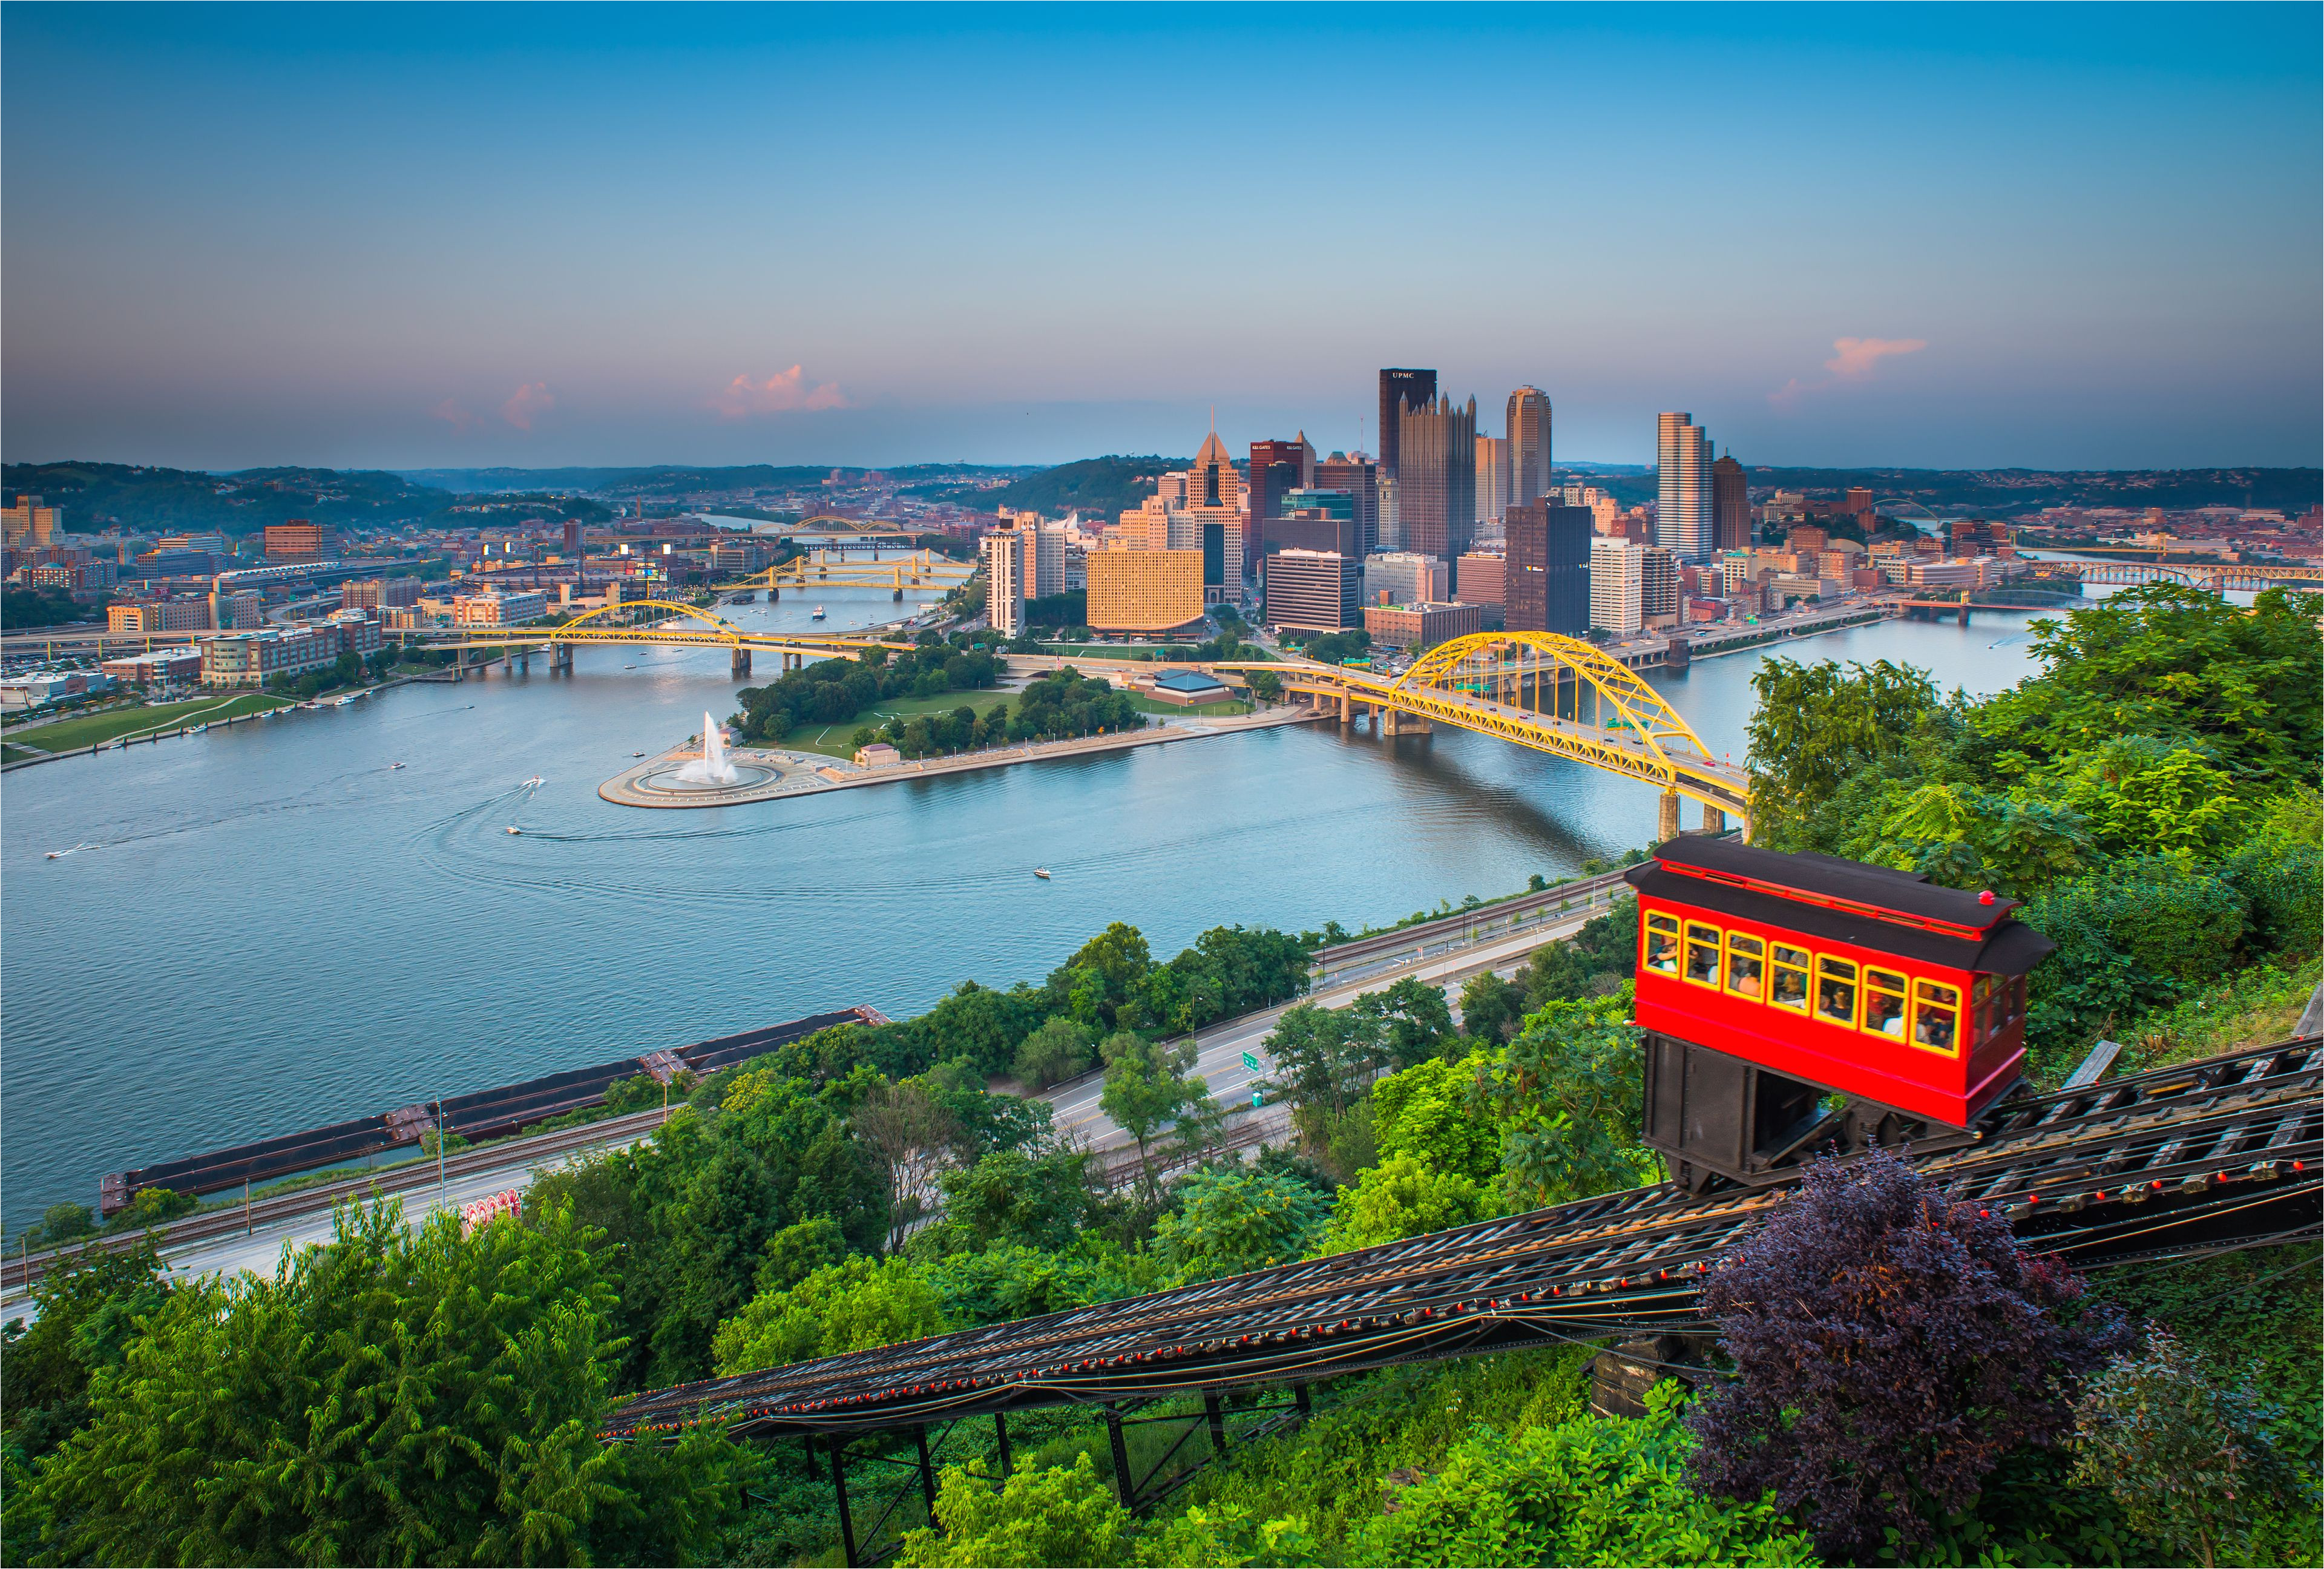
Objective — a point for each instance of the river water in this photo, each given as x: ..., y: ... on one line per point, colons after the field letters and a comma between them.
x: 277, y: 929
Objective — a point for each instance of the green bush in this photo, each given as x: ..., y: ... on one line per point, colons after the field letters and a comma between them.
x: 1059, y: 1516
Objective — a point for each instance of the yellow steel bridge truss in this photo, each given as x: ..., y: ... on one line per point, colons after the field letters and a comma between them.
x: 1532, y: 688
x: 715, y: 631
x: 921, y: 569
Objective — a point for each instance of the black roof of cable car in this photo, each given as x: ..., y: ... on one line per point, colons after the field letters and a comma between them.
x: 2008, y: 947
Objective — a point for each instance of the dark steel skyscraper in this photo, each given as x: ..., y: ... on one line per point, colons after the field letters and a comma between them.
x: 1399, y: 388
x: 1360, y: 480
x: 1436, y: 488
x: 1529, y: 423
x: 1546, y: 584
x: 1275, y: 472
x: 1730, y: 506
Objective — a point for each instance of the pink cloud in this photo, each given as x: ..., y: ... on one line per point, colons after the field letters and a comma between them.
x: 452, y: 414
x: 1852, y: 360
x: 1854, y: 357
x: 784, y: 392
x: 527, y: 402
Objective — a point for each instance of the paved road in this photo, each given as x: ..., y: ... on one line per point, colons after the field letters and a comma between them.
x: 1223, y: 1045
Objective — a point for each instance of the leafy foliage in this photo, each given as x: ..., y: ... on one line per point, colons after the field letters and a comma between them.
x: 1429, y: 1113
x: 1565, y: 1093
x: 1403, y: 1197
x: 1232, y: 1220
x: 87, y: 1309
x: 834, y: 691
x: 2185, y: 1446
x: 1056, y: 1516
x: 1151, y: 1095
x: 1893, y: 1347
x: 390, y: 1396
x: 1591, y: 1490
x: 846, y: 1306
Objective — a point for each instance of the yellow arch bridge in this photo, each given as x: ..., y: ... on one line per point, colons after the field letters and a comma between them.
x: 914, y: 569
x: 704, y: 630
x: 1557, y: 695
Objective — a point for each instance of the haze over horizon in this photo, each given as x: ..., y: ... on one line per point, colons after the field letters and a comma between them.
x: 535, y: 237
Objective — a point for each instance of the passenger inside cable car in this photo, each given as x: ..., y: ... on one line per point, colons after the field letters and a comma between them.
x: 1662, y: 945
x: 1884, y: 1003
x: 1743, y: 965
x: 1702, y: 953
x: 1933, y: 1025
x: 1836, y: 992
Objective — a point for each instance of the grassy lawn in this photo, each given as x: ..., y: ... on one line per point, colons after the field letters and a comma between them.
x: 836, y: 740
x: 1145, y: 705
x: 73, y: 734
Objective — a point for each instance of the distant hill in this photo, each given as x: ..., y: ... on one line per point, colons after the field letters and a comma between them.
x: 95, y: 495
x: 670, y: 482
x: 2021, y: 489
x: 1103, y: 485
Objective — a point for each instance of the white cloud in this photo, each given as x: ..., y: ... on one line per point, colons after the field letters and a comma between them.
x: 784, y: 392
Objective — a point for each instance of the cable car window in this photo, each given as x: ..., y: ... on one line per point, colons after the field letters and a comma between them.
x: 1836, y: 990
x: 1702, y: 953
x: 1788, y: 985
x: 1662, y: 944
x: 1987, y: 1007
x: 2016, y: 995
x: 1746, y: 966
x: 1884, y: 1003
x: 1936, y: 1016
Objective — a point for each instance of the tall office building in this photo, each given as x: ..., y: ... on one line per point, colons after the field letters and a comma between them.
x: 1730, y: 506
x: 1314, y: 520
x: 1144, y: 590
x: 1361, y: 479
x: 1004, y: 580
x: 1044, y: 559
x: 1682, y: 464
x: 1389, y: 535
x: 1398, y: 389
x: 1313, y: 590
x: 1213, y: 481
x: 1529, y: 441
x: 1617, y: 583
x: 31, y: 523
x: 1546, y: 587
x: 1277, y: 468
x: 1436, y: 476
x: 1492, y: 479
x: 1658, y: 587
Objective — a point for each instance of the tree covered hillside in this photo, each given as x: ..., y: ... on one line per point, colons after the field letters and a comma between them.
x: 96, y: 495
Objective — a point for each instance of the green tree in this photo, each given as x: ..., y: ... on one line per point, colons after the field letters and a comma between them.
x: 1815, y: 725
x: 1323, y: 1061
x: 61, y: 1222
x: 1150, y: 1095
x: 1492, y: 1008
x: 1415, y: 1021
x: 391, y: 1395
x: 2184, y: 1448
x: 1058, y: 1515
x: 851, y: 1306
x: 1566, y: 1093
x: 1040, y: 1200
x: 88, y: 1307
x: 1402, y: 1197
x: 1266, y: 685
x: 1235, y: 1220
x: 1105, y: 973
x: 1428, y: 1112
x: 1055, y: 1052
x: 798, y: 1251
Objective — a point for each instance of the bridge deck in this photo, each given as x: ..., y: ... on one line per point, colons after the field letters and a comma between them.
x: 2224, y: 1152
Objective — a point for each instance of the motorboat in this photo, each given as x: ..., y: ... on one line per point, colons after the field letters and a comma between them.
x: 1042, y: 873
x: 637, y: 755
x: 818, y: 614
x: 393, y: 766
x: 514, y: 829
x: 535, y: 782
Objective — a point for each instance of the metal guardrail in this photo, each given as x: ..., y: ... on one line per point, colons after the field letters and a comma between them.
x: 1503, y: 918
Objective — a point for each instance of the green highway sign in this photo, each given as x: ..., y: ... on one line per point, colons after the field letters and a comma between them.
x: 1250, y: 1062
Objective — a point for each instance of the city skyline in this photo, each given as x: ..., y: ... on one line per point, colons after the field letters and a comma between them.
x: 365, y: 238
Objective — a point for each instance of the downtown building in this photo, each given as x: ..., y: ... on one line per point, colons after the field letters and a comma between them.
x: 1730, y: 506
x: 1145, y: 591
x: 1277, y: 469
x: 1359, y: 477
x: 1005, y: 571
x: 1528, y: 439
x: 1398, y: 389
x: 1683, y: 465
x: 1549, y: 579
x: 1492, y: 482
x: 1436, y: 476
x: 1313, y: 590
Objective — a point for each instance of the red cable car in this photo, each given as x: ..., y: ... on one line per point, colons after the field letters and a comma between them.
x: 1795, y: 1003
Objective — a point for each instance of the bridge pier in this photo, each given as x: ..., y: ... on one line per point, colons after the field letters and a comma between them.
x: 773, y: 593
x: 1714, y: 821
x: 742, y: 663
x: 561, y: 658
x: 1666, y: 820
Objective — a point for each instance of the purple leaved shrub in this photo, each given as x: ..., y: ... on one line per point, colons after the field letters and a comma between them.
x: 1893, y: 1346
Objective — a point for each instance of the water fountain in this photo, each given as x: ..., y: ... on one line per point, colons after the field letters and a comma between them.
x: 711, y: 768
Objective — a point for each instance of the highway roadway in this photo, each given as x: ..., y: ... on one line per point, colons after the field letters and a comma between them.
x: 1446, y: 956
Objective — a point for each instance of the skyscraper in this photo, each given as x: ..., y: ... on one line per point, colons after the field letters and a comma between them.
x: 1213, y: 481
x: 1617, y: 583
x: 1437, y: 479
x: 1528, y: 445
x: 1396, y: 389
x: 1004, y: 581
x: 1277, y: 469
x: 1360, y: 480
x: 1492, y: 479
x: 1546, y: 585
x: 1730, y: 506
x: 1682, y: 464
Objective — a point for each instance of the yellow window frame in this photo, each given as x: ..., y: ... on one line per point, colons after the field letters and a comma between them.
x: 1690, y: 941
x: 1900, y: 994
x: 1951, y: 1009
x: 1656, y: 921
x: 1757, y: 953
x: 1852, y: 979
x: 1804, y: 970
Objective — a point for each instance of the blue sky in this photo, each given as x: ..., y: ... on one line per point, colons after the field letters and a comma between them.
x: 2085, y: 235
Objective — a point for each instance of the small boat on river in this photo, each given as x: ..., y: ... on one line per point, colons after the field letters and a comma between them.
x: 1042, y: 873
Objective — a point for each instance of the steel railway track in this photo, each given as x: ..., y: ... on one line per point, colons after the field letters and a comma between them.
x: 2220, y: 1153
